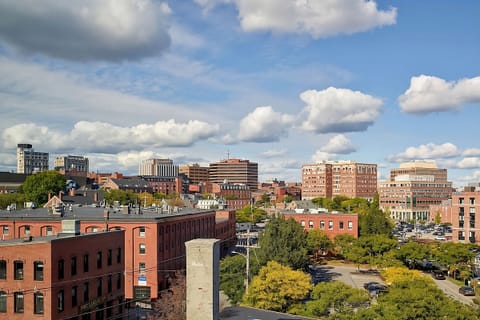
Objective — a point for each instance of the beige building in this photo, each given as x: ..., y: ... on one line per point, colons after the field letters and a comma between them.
x: 29, y: 161
x: 235, y: 171
x: 412, y: 188
x: 158, y: 168
x: 328, y: 179
x: 71, y: 163
x: 194, y: 172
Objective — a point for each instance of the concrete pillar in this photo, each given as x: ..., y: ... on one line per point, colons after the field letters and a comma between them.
x: 203, y: 280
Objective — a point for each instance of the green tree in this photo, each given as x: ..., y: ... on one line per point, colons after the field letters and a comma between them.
x: 411, y: 251
x: 283, y: 241
x: 277, y: 287
x: 375, y: 247
x: 250, y: 214
x: 38, y: 186
x: 318, y: 242
x: 287, y: 199
x: 124, y: 197
x: 232, y: 277
x: 374, y: 221
x: 342, y: 243
x: 7, y: 199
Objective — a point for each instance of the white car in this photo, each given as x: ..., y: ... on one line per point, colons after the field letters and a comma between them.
x: 441, y: 238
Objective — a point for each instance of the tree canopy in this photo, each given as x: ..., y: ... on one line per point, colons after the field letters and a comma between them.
x: 38, y: 186
x: 250, y: 214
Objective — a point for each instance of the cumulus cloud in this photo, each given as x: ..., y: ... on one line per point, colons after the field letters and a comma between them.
x: 469, y: 163
x: 339, y: 144
x: 317, y: 18
x: 431, y: 94
x: 273, y: 153
x: 101, y: 137
x: 86, y: 29
x: 336, y: 110
x: 320, y: 156
x: 264, y: 125
x: 471, y: 152
x: 427, y: 151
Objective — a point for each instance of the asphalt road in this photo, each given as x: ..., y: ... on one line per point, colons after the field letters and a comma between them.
x: 244, y: 313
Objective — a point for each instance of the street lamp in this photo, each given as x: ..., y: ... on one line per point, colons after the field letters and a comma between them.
x: 247, y: 271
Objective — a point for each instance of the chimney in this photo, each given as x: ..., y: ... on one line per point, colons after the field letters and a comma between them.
x: 49, y: 196
x: 71, y: 192
x: 60, y: 195
x: 95, y: 197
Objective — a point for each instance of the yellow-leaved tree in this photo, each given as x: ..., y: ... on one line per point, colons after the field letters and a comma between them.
x: 401, y: 274
x: 277, y: 287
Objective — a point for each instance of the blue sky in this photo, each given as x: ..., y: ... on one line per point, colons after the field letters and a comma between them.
x: 281, y: 83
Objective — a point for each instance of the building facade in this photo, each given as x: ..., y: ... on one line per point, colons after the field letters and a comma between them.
x: 236, y: 196
x: 332, y: 224
x: 158, y: 167
x: 196, y: 173
x: 412, y: 189
x: 76, y: 164
x: 66, y: 276
x: 329, y: 179
x: 234, y: 171
x: 29, y: 161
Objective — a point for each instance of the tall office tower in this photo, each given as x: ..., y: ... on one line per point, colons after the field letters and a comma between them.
x: 194, y: 172
x: 158, y: 168
x: 412, y: 188
x: 234, y: 171
x: 329, y: 179
x: 71, y: 163
x: 29, y: 161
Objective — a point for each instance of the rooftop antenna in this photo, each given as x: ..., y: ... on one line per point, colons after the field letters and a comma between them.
x: 228, y: 154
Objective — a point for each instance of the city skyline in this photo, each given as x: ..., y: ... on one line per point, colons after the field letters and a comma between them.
x: 198, y: 81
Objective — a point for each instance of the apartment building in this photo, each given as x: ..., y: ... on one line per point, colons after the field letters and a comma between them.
x: 235, y: 171
x: 154, y: 239
x: 64, y: 276
x: 158, y: 167
x: 329, y: 179
x: 29, y: 161
x: 412, y: 188
x: 195, y: 173
x: 236, y: 196
x: 332, y: 223
x: 71, y: 164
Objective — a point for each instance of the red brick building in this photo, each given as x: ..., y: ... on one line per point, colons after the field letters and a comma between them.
x: 154, y: 239
x: 237, y: 196
x: 332, y: 224
x: 63, y: 276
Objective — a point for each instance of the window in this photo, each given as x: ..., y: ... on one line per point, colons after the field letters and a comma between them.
x: 61, y: 269
x: 350, y: 225
x: 310, y: 224
x: 330, y: 225
x: 3, y: 269
x: 49, y: 232
x: 119, y: 280
x: 74, y: 296
x: 85, y: 263
x: 322, y: 225
x: 119, y: 255
x: 73, y: 266
x: 6, y: 230
x: 99, y: 287
x: 3, y: 302
x: 85, y: 292
x: 18, y: 302
x: 18, y: 270
x: 472, y: 201
x: 460, y: 200
x: 142, y: 248
x: 38, y: 271
x: 141, y: 232
x: 142, y: 267
x: 340, y: 225
x: 302, y: 223
x: 99, y: 259
x: 109, y: 283
x: 60, y: 302
x: 27, y: 230
x: 38, y: 303
x: 109, y: 257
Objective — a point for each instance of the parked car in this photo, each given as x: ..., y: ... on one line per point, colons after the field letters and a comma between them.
x: 368, y: 284
x: 466, y: 291
x: 440, y: 238
x: 438, y: 275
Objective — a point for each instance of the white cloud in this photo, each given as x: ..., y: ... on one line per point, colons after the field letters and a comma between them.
x: 101, y: 137
x: 471, y: 152
x: 182, y: 37
x: 469, y: 163
x: 274, y: 153
x: 339, y: 144
x: 427, y: 151
x: 431, y: 94
x: 88, y: 29
x: 317, y: 18
x: 336, y: 110
x: 264, y: 125
x: 320, y: 156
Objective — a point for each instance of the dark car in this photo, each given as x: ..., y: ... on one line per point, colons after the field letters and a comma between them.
x: 438, y: 275
x: 466, y: 291
x: 366, y: 285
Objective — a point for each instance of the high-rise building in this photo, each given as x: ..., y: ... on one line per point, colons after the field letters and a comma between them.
x: 412, y: 188
x: 30, y: 161
x: 71, y: 163
x: 195, y: 173
x: 159, y: 168
x: 234, y: 171
x: 329, y: 179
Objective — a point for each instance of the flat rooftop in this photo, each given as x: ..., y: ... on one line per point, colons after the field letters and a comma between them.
x: 47, y: 239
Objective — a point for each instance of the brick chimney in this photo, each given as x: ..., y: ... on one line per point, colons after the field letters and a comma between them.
x: 71, y: 192
x: 60, y: 195
x: 49, y: 196
x: 95, y: 197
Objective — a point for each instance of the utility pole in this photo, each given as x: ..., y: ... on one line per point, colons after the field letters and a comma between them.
x: 247, y: 245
